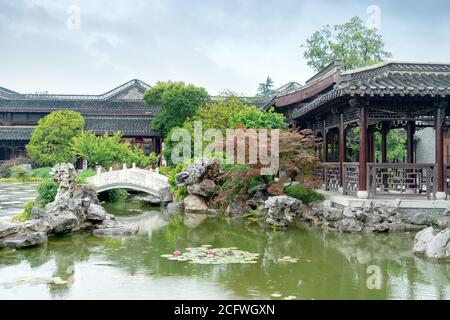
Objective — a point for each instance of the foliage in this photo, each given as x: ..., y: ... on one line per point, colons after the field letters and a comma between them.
x: 5, y: 167
x: 304, y: 194
x: 47, y: 190
x: 170, y: 172
x: 396, y: 142
x: 42, y: 173
x: 107, y: 150
x: 213, y: 115
x: 50, y: 140
x: 26, y: 214
x: 177, y: 101
x: 352, y: 42
x: 82, y: 176
x: 18, y: 173
x: 116, y: 195
x: 266, y: 87
x: 255, y: 118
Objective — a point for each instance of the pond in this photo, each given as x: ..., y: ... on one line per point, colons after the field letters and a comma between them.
x: 329, y: 266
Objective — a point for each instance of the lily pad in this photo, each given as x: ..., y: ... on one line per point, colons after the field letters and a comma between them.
x: 207, y: 255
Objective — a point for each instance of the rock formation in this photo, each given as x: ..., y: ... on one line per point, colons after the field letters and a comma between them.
x: 199, y: 180
x: 374, y: 217
x: 433, y: 243
x: 75, y: 208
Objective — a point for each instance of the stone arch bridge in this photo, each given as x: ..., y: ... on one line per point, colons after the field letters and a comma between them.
x: 148, y: 181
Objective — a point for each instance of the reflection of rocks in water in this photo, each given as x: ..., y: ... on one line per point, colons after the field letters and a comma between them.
x: 149, y: 222
x: 193, y: 220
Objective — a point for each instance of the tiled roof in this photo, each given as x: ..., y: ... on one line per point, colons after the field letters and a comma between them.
x: 15, y: 133
x: 129, y: 126
x: 86, y: 106
x: 388, y: 79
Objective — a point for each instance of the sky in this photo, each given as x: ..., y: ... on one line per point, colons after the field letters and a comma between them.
x: 92, y: 46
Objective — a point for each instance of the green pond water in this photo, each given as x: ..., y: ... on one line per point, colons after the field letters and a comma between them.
x: 330, y: 265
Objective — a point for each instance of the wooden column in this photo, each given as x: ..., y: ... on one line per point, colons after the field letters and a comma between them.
x: 384, y: 135
x: 439, y: 129
x: 333, y: 150
x: 325, y: 144
x: 341, y: 150
x: 362, y: 192
x: 370, y: 144
x: 410, y: 129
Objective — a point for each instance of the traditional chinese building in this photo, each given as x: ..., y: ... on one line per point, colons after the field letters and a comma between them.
x: 379, y: 98
x: 120, y: 109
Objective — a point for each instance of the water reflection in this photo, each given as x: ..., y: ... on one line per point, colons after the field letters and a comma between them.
x: 330, y: 266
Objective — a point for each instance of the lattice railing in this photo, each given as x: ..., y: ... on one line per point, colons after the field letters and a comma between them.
x: 400, y: 179
x: 351, y: 178
x: 328, y: 174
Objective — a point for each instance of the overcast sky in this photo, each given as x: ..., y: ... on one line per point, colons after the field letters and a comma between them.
x: 227, y: 44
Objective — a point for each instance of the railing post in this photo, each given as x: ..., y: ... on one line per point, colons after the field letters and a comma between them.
x: 99, y: 170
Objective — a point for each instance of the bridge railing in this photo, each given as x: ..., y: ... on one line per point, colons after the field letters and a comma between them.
x: 150, y: 179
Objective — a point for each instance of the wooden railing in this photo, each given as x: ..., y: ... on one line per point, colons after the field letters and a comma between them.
x: 328, y: 173
x: 351, y: 178
x: 393, y: 179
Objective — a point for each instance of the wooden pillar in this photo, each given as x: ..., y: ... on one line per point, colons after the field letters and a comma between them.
x: 370, y: 144
x: 363, y: 139
x: 333, y: 150
x: 341, y: 150
x: 325, y: 144
x: 384, y: 135
x: 410, y: 129
x: 440, y: 109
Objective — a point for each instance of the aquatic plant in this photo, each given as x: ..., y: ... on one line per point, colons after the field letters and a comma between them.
x: 207, y: 255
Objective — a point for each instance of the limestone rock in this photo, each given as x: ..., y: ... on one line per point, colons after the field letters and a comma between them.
x: 63, y: 223
x: 439, y: 247
x: 95, y: 212
x: 8, y: 228
x: 194, y: 173
x: 23, y: 240
x: 207, y: 188
x: 165, y: 196
x: 237, y: 208
x: 422, y: 239
x: 121, y: 229
x: 194, y: 203
x: 350, y: 225
x: 149, y: 199
x: 282, y: 210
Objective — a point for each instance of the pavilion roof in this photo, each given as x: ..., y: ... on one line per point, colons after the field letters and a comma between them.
x: 15, y: 133
x: 384, y: 79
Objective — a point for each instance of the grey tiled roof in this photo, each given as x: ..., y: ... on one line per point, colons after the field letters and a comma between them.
x: 86, y: 106
x: 15, y: 133
x: 388, y: 79
x: 129, y: 126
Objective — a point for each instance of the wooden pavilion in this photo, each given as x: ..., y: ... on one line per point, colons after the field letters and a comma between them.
x: 378, y: 98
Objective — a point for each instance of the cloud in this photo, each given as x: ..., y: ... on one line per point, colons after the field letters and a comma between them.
x: 216, y: 44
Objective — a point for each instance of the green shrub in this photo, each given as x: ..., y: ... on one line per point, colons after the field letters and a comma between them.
x: 305, y: 195
x: 47, y: 190
x: 41, y: 172
x: 82, y: 176
x: 26, y: 214
x: 170, y: 172
x: 20, y: 174
x: 5, y: 167
x: 116, y: 195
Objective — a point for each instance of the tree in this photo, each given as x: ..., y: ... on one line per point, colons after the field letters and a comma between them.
x: 255, y: 118
x: 107, y: 150
x: 352, y: 42
x: 50, y: 141
x: 177, y: 100
x: 212, y: 115
x: 265, y: 88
